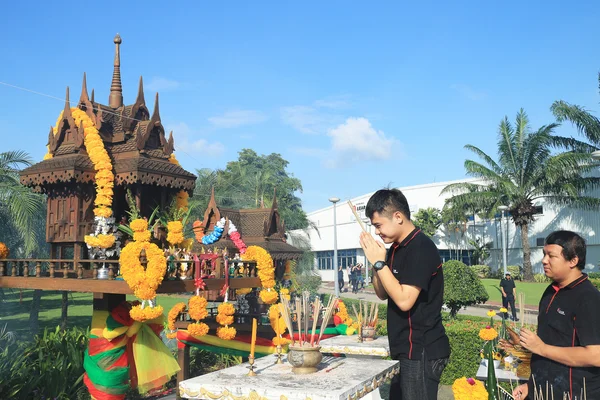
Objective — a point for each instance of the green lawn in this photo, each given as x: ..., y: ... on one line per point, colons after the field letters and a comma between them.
x: 14, y: 309
x: 533, y: 291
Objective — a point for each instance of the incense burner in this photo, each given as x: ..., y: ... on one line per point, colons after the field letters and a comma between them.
x: 368, y: 333
x: 304, y: 360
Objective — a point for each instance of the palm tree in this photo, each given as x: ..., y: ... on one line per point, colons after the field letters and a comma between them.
x: 586, y: 123
x: 526, y: 170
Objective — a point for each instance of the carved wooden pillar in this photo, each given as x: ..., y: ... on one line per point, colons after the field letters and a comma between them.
x: 25, y: 269
x: 79, y: 271
x: 14, y: 268
x: 1, y: 268
x: 52, y: 269
x: 94, y: 271
x: 38, y: 269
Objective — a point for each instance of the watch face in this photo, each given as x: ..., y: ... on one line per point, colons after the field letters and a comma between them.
x: 378, y: 265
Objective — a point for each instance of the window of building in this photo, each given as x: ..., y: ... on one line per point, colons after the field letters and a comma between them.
x: 540, y: 242
x: 538, y: 210
x: 345, y: 258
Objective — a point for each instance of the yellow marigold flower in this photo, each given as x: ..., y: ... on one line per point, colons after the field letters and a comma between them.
x: 491, y: 313
x: 4, y: 252
x: 503, y: 310
x: 197, y: 329
x: 197, y: 308
x: 174, y: 313
x: 243, y: 291
x: 269, y: 296
x: 175, y: 237
x: 223, y: 319
x: 143, y: 236
x: 226, y: 332
x: 145, y: 314
x: 226, y: 308
x: 139, y: 225
x: 469, y: 389
x: 488, y: 333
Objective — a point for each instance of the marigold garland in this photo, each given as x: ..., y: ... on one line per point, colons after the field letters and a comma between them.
x: 488, y: 333
x: 101, y: 240
x: 342, y: 313
x: 264, y: 264
x: 4, y: 251
x: 175, y: 232
x: 197, y: 308
x: 143, y: 283
x: 145, y: 314
x: 225, y: 317
x: 226, y: 332
x: 143, y: 236
x: 174, y: 313
x: 197, y: 329
x: 269, y: 296
x: 243, y: 291
x: 469, y: 389
x: 139, y: 225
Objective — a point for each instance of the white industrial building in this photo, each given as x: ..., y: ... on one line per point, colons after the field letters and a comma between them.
x: 450, y: 244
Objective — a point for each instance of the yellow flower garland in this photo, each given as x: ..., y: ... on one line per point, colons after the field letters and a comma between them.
x: 175, y: 232
x: 266, y: 272
x: 197, y: 308
x: 269, y: 296
x: 343, y: 313
x: 4, y: 251
x: 140, y: 314
x: 174, y: 313
x: 143, y: 283
x: 139, y: 225
x: 197, y: 329
x: 469, y: 389
x: 225, y: 317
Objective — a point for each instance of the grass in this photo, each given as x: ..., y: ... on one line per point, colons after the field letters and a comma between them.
x: 16, y: 304
x: 533, y: 291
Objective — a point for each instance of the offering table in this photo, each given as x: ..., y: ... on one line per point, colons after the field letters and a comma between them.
x: 336, y: 379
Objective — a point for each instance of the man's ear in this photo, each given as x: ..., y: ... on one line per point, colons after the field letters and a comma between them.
x: 398, y: 217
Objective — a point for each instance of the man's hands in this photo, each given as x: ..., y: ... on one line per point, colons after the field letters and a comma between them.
x: 374, y: 250
x: 531, y: 341
x: 521, y: 392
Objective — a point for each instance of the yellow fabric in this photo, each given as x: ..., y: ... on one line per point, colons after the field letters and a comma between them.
x: 98, y: 323
x: 111, y: 334
x: 154, y: 363
x: 134, y: 329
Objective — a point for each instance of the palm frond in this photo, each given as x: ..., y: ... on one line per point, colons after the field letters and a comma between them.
x: 489, y: 160
x: 586, y: 123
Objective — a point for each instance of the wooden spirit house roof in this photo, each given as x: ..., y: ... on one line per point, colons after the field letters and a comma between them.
x: 257, y: 226
x: 134, y: 139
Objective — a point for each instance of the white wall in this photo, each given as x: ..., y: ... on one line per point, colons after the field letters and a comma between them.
x: 586, y: 223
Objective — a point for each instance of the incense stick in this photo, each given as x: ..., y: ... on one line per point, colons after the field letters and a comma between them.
x: 316, y: 309
x: 299, y: 319
x: 356, y: 215
x: 329, y: 311
x: 284, y: 307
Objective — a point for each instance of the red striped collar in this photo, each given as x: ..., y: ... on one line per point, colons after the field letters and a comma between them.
x: 407, y: 239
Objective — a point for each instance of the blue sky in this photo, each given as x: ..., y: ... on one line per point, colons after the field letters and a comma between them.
x: 354, y: 96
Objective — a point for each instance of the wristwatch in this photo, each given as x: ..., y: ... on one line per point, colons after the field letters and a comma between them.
x: 378, y: 266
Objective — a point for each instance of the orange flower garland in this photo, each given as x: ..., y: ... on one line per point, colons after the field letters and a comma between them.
x: 278, y: 325
x: 469, y: 389
x: 197, y: 311
x: 266, y: 272
x: 140, y: 314
x: 4, y: 252
x: 225, y: 317
x: 174, y: 313
x: 175, y: 232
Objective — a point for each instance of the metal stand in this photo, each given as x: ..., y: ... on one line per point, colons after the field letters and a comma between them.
x: 251, y: 367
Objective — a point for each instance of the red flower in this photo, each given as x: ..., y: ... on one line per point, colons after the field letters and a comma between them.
x: 199, y: 283
x: 471, y: 381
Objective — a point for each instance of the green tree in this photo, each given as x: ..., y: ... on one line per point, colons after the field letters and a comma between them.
x: 429, y: 220
x: 526, y: 170
x: 462, y: 287
x: 481, y: 250
x: 247, y: 182
x: 454, y: 225
x: 586, y: 123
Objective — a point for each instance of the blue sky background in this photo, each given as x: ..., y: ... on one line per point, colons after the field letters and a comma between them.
x: 354, y: 96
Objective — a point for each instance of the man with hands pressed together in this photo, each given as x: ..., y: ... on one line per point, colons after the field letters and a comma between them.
x: 566, y: 348
x: 409, y: 275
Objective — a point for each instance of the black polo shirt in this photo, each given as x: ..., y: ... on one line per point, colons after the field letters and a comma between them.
x: 508, y: 285
x: 568, y: 317
x: 416, y: 261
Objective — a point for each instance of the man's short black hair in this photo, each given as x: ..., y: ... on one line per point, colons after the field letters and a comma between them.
x: 572, y: 245
x: 387, y: 202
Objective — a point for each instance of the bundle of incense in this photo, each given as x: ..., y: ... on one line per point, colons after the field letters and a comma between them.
x: 316, y: 311
x: 331, y: 305
x: 356, y: 215
x: 299, y: 319
x: 284, y: 308
x: 306, y: 307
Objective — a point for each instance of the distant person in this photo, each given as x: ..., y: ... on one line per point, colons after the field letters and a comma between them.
x: 340, y: 278
x: 410, y: 276
x: 356, y: 274
x: 350, y: 275
x: 566, y: 348
x: 509, y: 292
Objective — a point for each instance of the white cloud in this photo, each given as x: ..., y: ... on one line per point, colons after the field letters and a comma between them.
x: 160, y: 84
x: 357, y: 140
x: 468, y: 92
x: 235, y: 118
x: 188, y: 141
x: 309, y: 120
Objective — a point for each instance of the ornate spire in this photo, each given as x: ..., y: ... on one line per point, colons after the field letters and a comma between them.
x: 84, y: 93
x: 92, y: 99
x: 67, y: 110
x: 156, y: 113
x: 115, y: 100
x: 140, y: 96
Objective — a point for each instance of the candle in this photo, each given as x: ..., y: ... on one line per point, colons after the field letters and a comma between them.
x: 253, y: 343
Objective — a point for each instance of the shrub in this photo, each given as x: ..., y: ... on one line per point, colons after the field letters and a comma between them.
x: 465, y: 344
x: 515, y: 272
x: 541, y: 278
x: 481, y: 271
x: 594, y: 275
x: 462, y: 287
x: 595, y: 282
